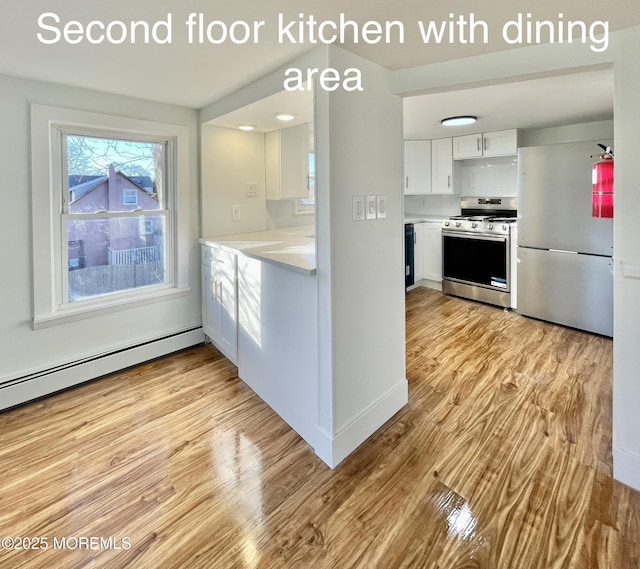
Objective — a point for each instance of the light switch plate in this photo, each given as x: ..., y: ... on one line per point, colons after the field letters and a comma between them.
x: 381, y: 203
x: 235, y: 213
x: 358, y: 208
x: 252, y: 190
x: 371, y: 207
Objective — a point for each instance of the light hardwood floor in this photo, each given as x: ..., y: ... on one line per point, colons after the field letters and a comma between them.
x: 501, y: 460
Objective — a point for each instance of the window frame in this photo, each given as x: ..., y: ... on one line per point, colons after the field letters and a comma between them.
x: 300, y: 207
x: 48, y: 193
x: 130, y: 192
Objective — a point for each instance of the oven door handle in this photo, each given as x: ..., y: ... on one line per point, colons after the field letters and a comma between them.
x: 478, y: 236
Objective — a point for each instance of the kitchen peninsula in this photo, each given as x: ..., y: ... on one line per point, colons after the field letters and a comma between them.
x: 259, y: 308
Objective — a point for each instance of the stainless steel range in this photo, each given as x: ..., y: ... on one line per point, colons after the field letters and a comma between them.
x: 476, y: 250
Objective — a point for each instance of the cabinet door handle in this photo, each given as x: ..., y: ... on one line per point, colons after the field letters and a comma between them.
x: 484, y: 143
x: 406, y: 182
x: 478, y: 143
x: 448, y: 181
x: 220, y: 292
x: 213, y: 289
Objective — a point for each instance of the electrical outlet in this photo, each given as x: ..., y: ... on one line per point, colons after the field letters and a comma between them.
x: 235, y: 213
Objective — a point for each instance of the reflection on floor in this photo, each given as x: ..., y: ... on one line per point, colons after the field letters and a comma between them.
x: 502, y: 459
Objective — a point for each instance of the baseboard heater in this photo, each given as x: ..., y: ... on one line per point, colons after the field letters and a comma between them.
x: 26, y: 388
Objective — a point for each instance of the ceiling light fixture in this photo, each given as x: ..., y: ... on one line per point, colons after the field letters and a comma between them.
x: 285, y: 116
x: 458, y: 121
x: 245, y: 127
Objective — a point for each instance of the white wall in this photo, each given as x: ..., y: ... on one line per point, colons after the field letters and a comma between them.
x: 23, y: 350
x: 231, y: 159
x: 361, y: 337
x: 567, y: 133
x: 626, y: 355
x: 358, y: 152
x: 550, y: 59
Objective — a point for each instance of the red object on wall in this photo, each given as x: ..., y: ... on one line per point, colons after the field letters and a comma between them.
x: 602, y: 196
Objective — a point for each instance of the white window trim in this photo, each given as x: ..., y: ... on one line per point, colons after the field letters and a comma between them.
x: 46, y: 177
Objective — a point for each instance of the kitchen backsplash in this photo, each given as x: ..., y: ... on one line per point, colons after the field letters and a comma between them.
x: 441, y: 204
x: 487, y: 177
x: 281, y: 213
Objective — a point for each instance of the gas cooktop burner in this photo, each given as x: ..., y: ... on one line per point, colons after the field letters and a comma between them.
x: 501, y: 219
x: 487, y: 224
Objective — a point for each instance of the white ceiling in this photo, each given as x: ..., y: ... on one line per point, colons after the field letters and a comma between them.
x: 261, y: 114
x: 196, y: 75
x: 537, y: 103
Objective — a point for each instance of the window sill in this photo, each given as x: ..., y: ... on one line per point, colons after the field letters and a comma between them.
x: 100, y: 307
x: 305, y: 212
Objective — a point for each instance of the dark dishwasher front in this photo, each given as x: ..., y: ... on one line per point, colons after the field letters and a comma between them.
x: 409, y: 242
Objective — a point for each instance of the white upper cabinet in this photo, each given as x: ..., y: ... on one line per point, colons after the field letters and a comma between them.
x: 428, y: 167
x: 417, y: 167
x: 469, y: 146
x: 287, y: 163
x: 442, y: 166
x: 498, y: 143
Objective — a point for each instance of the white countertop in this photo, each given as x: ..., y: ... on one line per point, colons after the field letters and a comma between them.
x: 292, y: 248
x: 423, y: 218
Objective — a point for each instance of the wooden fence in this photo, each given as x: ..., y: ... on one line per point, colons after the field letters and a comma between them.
x: 93, y: 281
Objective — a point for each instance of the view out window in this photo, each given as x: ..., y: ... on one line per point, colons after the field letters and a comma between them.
x: 106, y: 220
x: 307, y: 205
x: 114, y: 215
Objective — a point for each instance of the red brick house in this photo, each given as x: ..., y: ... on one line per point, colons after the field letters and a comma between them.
x: 113, y: 240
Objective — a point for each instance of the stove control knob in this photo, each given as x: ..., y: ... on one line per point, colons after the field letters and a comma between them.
x: 491, y: 226
x: 474, y: 225
x: 446, y: 224
x: 504, y: 227
x: 458, y: 224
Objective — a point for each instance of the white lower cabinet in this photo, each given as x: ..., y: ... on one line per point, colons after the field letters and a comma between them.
x: 219, y: 300
x: 427, y: 256
x: 432, y: 252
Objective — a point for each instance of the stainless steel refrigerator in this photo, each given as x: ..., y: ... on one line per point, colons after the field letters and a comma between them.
x: 565, y: 256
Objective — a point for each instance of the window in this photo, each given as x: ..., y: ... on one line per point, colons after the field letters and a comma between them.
x: 129, y: 197
x: 105, y: 191
x: 308, y: 205
x: 117, y: 255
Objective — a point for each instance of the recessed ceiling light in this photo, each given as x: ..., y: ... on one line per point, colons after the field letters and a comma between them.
x: 245, y: 127
x: 285, y: 116
x: 458, y: 121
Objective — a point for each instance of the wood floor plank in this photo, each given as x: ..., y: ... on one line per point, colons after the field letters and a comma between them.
x: 501, y: 460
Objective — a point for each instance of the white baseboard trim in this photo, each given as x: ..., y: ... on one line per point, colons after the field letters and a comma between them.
x: 333, y: 450
x: 626, y: 468
x: 426, y: 283
x: 47, y: 382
